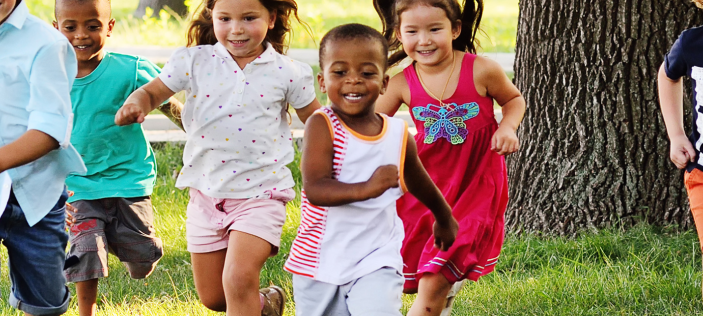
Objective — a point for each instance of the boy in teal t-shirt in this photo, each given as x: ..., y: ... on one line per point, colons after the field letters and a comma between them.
x: 112, y: 207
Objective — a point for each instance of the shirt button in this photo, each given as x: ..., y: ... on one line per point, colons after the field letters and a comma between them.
x: 240, y: 90
x: 248, y: 70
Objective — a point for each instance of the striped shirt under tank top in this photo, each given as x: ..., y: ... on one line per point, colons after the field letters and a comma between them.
x: 339, y: 244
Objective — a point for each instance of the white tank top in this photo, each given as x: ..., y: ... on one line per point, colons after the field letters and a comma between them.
x: 339, y: 244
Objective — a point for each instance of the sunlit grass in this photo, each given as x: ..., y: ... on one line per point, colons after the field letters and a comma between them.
x: 643, y: 271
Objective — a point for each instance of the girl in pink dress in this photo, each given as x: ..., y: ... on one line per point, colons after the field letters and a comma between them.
x: 450, y: 92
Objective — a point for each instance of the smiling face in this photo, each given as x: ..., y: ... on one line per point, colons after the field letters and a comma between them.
x: 241, y: 26
x: 353, y: 75
x: 6, y: 7
x: 427, y: 34
x: 86, y: 24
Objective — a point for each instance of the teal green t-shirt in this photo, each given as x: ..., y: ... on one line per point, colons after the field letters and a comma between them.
x: 119, y: 159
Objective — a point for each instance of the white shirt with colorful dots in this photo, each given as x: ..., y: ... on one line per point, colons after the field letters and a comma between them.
x: 239, y: 140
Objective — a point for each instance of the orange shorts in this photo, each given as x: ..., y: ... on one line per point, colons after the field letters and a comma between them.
x: 694, y: 186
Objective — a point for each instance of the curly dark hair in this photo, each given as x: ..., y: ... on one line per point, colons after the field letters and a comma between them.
x: 469, y: 14
x: 350, y: 32
x: 201, y: 30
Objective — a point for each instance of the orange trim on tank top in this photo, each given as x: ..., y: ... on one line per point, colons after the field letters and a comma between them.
x: 368, y: 138
x: 401, y: 166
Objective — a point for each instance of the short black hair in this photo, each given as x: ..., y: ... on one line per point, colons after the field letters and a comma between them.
x: 353, y: 31
x: 56, y: 5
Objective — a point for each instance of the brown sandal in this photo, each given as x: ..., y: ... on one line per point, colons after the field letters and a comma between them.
x: 274, y: 301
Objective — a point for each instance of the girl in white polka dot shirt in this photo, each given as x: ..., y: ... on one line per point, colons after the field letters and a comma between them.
x: 238, y: 87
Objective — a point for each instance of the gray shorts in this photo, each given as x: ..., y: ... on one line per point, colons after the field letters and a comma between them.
x: 121, y: 226
x: 375, y: 294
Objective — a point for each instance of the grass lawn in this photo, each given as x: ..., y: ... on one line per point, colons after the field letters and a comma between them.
x: 644, y: 271
x: 499, y: 23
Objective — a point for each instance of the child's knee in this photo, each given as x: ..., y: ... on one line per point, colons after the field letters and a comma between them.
x: 140, y: 270
x: 240, y: 280
x: 217, y: 304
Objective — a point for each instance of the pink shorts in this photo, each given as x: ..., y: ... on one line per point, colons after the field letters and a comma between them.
x: 210, y: 220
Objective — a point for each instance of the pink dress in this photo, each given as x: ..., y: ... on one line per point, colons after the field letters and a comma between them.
x: 454, y: 145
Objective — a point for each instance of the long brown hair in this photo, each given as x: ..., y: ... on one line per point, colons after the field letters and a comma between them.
x: 201, y: 30
x: 469, y: 14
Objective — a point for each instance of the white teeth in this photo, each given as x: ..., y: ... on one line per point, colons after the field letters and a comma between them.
x: 352, y: 96
x: 81, y: 47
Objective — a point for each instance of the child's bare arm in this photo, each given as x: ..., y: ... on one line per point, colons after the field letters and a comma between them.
x: 142, y: 101
x: 671, y: 102
x: 390, y: 101
x: 31, y: 146
x: 320, y: 187
x: 173, y: 110
x: 492, y: 78
x: 305, y: 112
x: 421, y: 186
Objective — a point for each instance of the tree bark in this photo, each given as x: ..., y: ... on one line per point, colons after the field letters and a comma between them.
x: 594, y: 147
x: 177, y: 6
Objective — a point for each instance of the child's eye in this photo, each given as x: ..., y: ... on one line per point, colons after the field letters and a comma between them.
x: 249, y: 18
x: 225, y: 19
x: 69, y: 28
x: 339, y: 72
x: 368, y: 74
x: 436, y: 29
x: 93, y: 28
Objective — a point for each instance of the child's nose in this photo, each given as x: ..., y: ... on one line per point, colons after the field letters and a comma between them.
x: 237, y: 28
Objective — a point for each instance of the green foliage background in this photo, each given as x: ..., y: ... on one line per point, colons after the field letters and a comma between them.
x: 499, y: 24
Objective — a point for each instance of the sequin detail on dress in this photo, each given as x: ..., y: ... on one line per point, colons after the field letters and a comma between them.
x: 446, y: 123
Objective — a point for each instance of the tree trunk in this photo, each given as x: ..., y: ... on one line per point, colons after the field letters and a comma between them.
x: 177, y: 6
x: 594, y: 147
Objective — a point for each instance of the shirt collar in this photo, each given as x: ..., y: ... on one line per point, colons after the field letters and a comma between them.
x: 265, y: 57
x: 18, y: 16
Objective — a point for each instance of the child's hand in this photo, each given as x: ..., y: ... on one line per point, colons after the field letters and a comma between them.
x: 682, y: 151
x: 130, y: 113
x: 70, y: 210
x: 505, y: 141
x: 445, y: 233
x: 384, y: 178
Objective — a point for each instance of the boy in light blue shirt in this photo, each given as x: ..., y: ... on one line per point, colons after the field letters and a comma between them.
x: 37, y: 67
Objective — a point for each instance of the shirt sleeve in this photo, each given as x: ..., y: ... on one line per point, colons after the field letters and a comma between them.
x: 177, y: 71
x: 301, y: 89
x: 50, y: 80
x: 146, y: 72
x: 675, y: 64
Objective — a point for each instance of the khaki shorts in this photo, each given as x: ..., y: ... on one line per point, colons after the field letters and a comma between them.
x: 121, y: 226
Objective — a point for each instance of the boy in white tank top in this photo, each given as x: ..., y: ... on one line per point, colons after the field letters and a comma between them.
x: 346, y: 257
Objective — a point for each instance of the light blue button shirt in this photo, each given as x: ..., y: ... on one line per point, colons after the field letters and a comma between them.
x: 37, y: 69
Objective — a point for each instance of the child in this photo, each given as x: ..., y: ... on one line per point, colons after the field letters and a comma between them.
x: 356, y: 164
x: 450, y: 92
x: 37, y: 68
x: 112, y: 205
x: 238, y: 86
x: 685, y: 59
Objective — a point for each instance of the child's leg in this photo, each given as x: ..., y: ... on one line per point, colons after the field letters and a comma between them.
x: 87, y: 293
x: 694, y: 186
x: 315, y: 298
x: 431, y: 295
x: 207, y: 275
x: 246, y: 255
x: 36, y: 258
x: 456, y: 288
x: 377, y: 294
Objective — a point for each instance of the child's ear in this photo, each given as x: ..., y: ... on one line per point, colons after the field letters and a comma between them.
x: 456, y: 31
x: 321, y: 82
x: 110, y: 26
x: 386, y: 79
x: 272, y: 19
x: 55, y: 24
